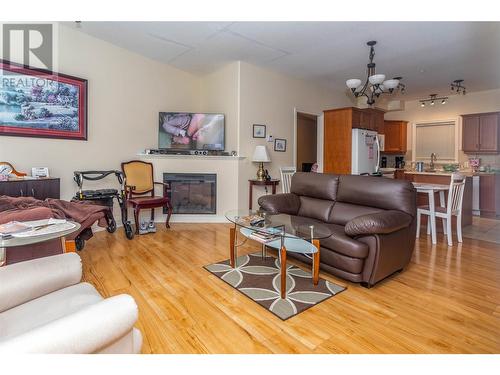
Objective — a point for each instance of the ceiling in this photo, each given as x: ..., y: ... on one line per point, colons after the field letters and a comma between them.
x: 429, y: 55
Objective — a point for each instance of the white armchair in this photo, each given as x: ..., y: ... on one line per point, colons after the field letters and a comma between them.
x: 44, y: 308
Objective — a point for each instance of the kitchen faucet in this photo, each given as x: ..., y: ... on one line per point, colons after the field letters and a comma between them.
x: 433, y: 159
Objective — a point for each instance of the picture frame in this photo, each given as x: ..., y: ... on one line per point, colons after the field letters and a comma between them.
x: 259, y: 131
x: 41, y: 103
x: 280, y: 145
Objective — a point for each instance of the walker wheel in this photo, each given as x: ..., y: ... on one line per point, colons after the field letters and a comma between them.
x: 129, y: 232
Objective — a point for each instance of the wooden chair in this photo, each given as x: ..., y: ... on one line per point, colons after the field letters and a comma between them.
x: 286, y: 178
x: 453, y: 208
x: 139, y: 182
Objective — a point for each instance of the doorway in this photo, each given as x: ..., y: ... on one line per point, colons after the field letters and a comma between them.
x: 306, y: 141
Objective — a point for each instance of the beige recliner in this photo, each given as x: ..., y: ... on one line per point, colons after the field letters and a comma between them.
x: 44, y: 308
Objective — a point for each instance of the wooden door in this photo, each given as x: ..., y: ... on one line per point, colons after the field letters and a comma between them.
x: 43, y: 189
x: 470, y: 134
x: 487, y: 195
x: 366, y: 119
x: 13, y: 188
x: 488, y: 132
x: 395, y: 136
x: 378, y: 121
x: 356, y: 118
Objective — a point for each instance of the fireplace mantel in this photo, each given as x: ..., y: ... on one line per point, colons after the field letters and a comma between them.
x: 195, y: 157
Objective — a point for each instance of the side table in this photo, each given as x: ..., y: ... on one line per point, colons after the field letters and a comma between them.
x: 272, y: 182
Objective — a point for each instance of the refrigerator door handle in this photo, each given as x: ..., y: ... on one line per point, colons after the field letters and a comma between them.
x: 377, y: 142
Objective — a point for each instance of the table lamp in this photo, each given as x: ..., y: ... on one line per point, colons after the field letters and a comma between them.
x: 261, y: 156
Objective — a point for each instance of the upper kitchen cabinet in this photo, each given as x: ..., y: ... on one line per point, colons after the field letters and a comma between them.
x: 395, y: 136
x: 480, y: 133
x: 371, y: 119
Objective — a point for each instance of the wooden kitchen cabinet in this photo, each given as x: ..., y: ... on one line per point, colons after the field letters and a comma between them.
x: 489, y: 195
x: 481, y: 133
x: 39, y: 189
x: 395, y: 136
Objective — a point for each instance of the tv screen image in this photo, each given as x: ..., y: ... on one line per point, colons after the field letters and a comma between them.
x: 191, y: 131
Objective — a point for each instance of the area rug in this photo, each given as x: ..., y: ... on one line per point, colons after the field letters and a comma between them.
x: 259, y: 279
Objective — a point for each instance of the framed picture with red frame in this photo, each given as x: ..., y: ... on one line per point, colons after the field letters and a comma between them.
x: 41, y: 103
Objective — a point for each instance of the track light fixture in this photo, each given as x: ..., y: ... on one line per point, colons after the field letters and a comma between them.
x: 433, y: 98
x: 457, y: 86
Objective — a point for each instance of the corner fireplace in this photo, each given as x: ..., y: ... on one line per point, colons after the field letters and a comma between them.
x: 192, y: 193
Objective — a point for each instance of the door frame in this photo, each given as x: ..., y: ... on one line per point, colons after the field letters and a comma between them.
x: 319, y: 137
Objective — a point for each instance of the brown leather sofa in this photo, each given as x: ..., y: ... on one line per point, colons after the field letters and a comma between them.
x: 373, y: 221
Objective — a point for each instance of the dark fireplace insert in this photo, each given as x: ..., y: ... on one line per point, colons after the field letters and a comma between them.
x: 192, y: 193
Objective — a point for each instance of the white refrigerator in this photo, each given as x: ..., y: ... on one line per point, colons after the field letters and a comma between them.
x: 365, y: 157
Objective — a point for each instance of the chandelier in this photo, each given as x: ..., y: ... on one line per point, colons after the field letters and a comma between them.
x: 375, y: 84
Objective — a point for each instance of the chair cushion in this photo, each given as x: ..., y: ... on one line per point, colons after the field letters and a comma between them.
x: 42, y: 310
x: 343, y: 244
x: 143, y: 201
x: 437, y: 208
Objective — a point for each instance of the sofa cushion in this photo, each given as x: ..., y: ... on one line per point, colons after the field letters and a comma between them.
x: 343, y: 244
x: 341, y: 261
x: 342, y: 212
x: 45, y: 309
x: 384, y: 193
x: 315, y: 208
x: 321, y: 186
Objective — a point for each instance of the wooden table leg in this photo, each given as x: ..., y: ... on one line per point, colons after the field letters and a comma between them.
x: 3, y: 256
x: 283, y: 272
x: 432, y: 217
x: 232, y: 260
x: 316, y: 258
x: 250, y: 198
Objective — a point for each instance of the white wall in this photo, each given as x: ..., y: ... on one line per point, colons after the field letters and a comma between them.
x: 270, y: 98
x: 473, y: 102
x: 125, y: 92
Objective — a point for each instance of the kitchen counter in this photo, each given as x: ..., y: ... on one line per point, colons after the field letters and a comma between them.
x: 440, y: 173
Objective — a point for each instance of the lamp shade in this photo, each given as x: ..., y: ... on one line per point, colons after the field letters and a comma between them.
x: 261, y: 155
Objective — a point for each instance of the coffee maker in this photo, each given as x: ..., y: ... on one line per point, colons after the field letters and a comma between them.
x: 400, y: 161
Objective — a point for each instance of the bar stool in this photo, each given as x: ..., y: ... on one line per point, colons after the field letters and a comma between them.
x: 453, y: 208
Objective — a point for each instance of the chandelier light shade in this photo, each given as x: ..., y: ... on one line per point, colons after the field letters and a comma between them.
x: 353, y: 83
x: 375, y: 84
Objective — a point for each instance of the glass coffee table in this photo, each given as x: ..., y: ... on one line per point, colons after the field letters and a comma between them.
x: 282, y: 232
x: 52, y: 232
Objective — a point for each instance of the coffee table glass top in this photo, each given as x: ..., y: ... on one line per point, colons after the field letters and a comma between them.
x: 282, y: 224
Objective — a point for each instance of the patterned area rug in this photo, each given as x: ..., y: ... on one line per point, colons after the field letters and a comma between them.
x: 259, y: 279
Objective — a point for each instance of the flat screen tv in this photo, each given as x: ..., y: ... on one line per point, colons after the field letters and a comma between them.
x: 191, y: 131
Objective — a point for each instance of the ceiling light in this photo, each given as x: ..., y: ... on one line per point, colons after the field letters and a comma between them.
x: 375, y: 84
x: 432, y: 100
x: 456, y: 85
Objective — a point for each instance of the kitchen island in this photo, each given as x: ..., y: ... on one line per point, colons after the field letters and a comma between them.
x: 444, y: 178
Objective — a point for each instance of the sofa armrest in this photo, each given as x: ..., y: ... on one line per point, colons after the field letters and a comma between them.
x: 24, y: 281
x: 86, y: 331
x: 378, y: 223
x: 286, y: 203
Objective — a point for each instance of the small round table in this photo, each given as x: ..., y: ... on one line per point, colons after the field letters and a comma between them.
x: 12, y: 241
x: 290, y: 234
x: 272, y: 182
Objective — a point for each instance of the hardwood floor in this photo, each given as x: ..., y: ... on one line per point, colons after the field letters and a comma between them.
x: 447, y: 301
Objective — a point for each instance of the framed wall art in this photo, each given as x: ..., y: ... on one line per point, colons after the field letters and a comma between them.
x: 41, y: 103
x: 280, y: 145
x: 259, y: 131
